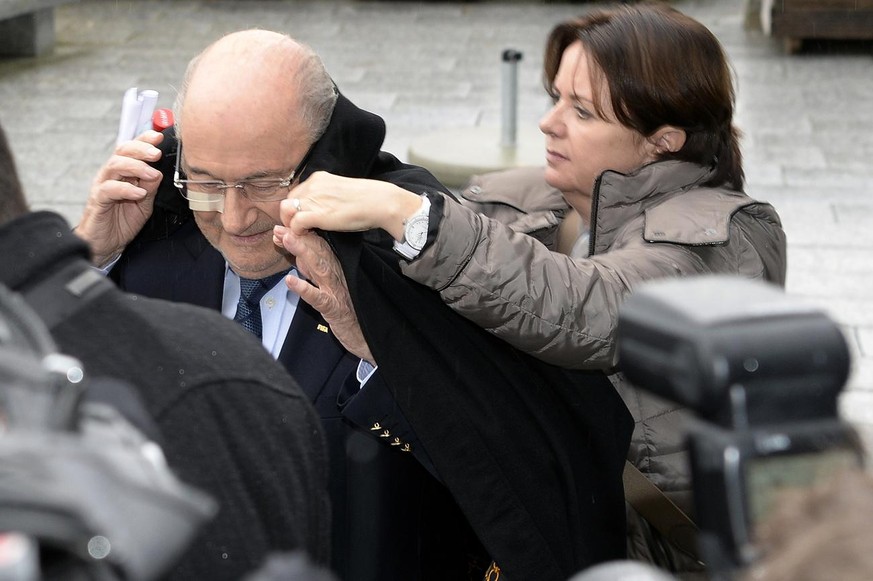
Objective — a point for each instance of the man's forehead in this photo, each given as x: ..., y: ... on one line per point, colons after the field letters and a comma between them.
x: 239, y: 149
x: 211, y: 127
x: 250, y: 92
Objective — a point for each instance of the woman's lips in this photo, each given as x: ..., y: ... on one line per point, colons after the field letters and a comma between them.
x: 554, y: 157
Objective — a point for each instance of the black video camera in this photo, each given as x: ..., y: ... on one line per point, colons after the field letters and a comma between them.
x: 762, y: 372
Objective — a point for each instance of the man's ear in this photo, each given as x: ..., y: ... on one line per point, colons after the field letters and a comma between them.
x: 666, y: 139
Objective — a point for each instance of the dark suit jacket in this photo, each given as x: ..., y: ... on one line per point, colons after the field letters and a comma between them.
x: 380, y: 494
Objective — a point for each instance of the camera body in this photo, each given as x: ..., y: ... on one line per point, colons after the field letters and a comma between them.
x: 738, y: 474
x: 762, y: 372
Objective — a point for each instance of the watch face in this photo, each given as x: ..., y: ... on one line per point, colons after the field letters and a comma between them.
x: 416, y: 232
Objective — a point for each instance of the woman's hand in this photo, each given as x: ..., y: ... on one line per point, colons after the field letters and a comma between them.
x: 341, y: 204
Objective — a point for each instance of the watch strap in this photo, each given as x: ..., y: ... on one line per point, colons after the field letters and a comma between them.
x: 403, y: 248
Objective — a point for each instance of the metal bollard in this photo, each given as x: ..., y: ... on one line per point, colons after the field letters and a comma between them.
x: 509, y: 127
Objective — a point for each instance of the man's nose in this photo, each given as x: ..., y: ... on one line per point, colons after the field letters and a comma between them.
x: 236, y: 209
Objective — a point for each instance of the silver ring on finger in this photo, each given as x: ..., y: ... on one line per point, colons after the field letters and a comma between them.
x: 297, y: 204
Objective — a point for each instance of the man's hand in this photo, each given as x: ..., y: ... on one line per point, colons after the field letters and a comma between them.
x: 326, y: 289
x: 122, y: 197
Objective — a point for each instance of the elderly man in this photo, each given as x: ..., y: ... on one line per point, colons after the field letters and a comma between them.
x: 188, y: 216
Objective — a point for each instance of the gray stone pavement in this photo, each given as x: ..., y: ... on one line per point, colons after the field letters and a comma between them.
x: 807, y: 118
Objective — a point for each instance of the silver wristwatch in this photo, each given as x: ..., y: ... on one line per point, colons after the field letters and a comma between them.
x: 414, y: 231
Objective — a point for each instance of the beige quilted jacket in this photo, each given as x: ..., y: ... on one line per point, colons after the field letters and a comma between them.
x: 658, y: 222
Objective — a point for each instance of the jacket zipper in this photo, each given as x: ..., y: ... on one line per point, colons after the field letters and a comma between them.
x: 595, y: 203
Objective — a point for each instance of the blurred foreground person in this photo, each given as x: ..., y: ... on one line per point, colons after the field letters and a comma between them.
x: 85, y: 490
x: 623, y: 571
x: 246, y: 434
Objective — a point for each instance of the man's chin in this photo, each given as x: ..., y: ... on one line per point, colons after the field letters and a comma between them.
x: 260, y: 269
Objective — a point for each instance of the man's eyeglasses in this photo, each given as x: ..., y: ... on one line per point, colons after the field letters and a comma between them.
x: 257, y: 190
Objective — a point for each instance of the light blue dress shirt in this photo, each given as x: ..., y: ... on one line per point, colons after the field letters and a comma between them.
x: 278, y: 307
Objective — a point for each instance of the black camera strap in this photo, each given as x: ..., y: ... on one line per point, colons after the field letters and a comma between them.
x: 59, y: 295
x: 659, y: 511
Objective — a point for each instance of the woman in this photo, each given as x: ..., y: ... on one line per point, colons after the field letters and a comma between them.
x: 641, y: 144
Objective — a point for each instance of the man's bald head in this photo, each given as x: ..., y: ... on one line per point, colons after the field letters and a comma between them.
x: 258, y: 74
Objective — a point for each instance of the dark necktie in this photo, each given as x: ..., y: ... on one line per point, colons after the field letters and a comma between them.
x: 248, y: 310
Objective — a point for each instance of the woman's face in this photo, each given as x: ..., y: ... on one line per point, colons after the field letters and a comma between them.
x: 580, y: 145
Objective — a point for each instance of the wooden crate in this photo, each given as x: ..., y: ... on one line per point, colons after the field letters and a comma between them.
x: 796, y: 20
x: 27, y: 27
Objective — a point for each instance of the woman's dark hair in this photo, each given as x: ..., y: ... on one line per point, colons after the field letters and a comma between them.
x: 12, y: 201
x: 662, y: 68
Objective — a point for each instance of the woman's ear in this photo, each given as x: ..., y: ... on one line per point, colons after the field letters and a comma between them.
x: 666, y: 139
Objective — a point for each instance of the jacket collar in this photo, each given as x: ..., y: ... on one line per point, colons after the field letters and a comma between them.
x: 36, y: 243
x: 350, y: 144
x: 648, y: 184
x: 619, y: 198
